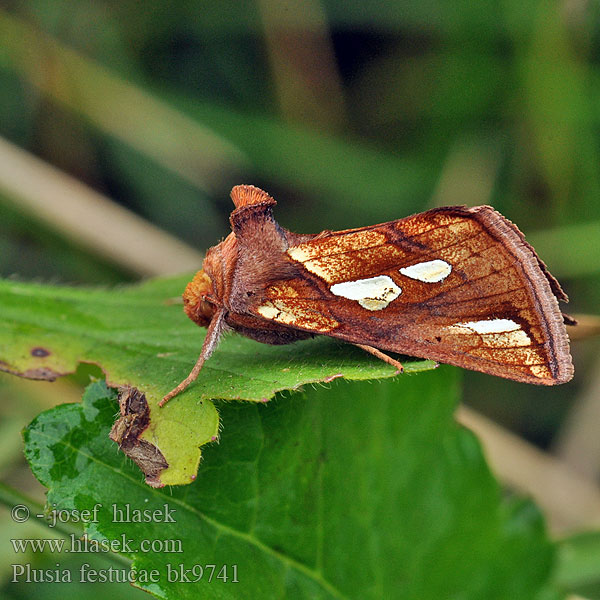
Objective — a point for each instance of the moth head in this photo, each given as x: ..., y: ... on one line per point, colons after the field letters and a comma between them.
x: 195, y: 299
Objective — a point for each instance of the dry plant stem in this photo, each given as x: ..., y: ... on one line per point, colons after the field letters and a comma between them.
x: 211, y: 341
x: 578, y: 444
x: 570, y: 501
x: 306, y: 78
x: 89, y: 218
x: 128, y: 112
x: 588, y: 326
x: 382, y: 356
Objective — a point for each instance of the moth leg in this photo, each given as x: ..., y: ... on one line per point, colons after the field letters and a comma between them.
x: 210, y: 343
x: 382, y: 356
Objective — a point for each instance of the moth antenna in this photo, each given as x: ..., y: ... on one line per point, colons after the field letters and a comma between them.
x: 211, y: 341
x: 382, y: 356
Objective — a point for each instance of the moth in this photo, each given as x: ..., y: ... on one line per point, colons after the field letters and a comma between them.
x: 456, y: 285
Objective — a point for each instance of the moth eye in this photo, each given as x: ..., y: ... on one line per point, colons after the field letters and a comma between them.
x: 249, y: 294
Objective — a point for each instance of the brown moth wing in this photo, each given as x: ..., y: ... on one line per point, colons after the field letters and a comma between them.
x: 492, y: 306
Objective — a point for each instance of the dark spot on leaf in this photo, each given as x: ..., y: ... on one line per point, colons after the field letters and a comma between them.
x: 40, y: 352
x: 42, y: 373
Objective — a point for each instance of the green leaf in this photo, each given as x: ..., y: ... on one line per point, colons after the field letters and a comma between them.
x: 579, y: 564
x: 365, y: 490
x: 141, y: 338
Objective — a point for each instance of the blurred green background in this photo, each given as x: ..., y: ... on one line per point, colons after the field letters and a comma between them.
x: 348, y: 113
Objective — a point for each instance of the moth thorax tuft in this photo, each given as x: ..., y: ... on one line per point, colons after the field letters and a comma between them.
x: 246, y: 195
x: 195, y: 305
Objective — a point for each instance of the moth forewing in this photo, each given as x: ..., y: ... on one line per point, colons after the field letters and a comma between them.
x: 448, y: 267
x: 457, y: 285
